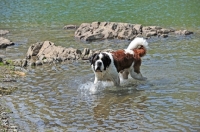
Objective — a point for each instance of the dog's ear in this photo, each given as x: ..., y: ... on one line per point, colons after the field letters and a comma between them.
x: 91, y: 58
x: 106, y: 60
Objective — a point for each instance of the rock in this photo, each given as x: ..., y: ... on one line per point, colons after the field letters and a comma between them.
x: 33, y: 50
x: 165, y: 31
x: 67, y: 27
x: 152, y: 33
x: 13, y: 128
x: 95, y: 25
x: 85, y: 53
x: 5, y: 62
x: 138, y: 28
x: 20, y: 73
x: 38, y: 62
x: 155, y: 28
x: 164, y: 35
x: 183, y: 32
x: 3, y: 32
x: 95, y: 36
x: 17, y: 62
x: 5, y: 42
x: 1, y: 59
x: 113, y: 30
x: 24, y: 62
x: 48, y: 52
x: 107, y: 30
x: 17, y: 68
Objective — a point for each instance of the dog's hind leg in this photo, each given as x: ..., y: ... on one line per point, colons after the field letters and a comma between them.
x: 135, y: 71
x: 124, y: 73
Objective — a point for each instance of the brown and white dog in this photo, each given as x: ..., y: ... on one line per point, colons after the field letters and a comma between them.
x: 108, y: 66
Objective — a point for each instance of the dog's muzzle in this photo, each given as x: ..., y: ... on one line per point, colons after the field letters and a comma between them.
x: 98, y: 68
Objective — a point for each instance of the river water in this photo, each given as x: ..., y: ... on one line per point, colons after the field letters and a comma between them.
x: 60, y: 97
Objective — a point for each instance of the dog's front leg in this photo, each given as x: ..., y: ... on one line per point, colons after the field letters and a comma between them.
x: 115, y: 78
x: 95, y: 80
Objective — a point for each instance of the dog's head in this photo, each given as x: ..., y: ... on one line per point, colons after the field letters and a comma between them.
x: 100, y: 61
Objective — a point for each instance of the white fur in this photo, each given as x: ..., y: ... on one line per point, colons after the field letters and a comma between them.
x: 137, y: 42
x: 129, y: 51
x: 109, y: 74
x: 102, y: 67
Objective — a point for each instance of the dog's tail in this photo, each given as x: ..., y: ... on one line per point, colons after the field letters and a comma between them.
x: 139, y: 45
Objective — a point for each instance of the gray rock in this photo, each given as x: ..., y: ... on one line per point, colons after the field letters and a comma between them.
x: 113, y: 30
x: 1, y: 59
x: 48, y: 52
x: 5, y: 42
x: 152, y: 33
x: 13, y: 128
x: 31, y: 63
x: 95, y: 36
x: 38, y: 62
x: 24, y: 62
x: 86, y: 51
x: 138, y: 28
x: 183, y: 32
x: 107, y: 30
x: 67, y: 27
x: 165, y: 31
x: 3, y: 32
x: 164, y: 35
x: 33, y: 50
x: 17, y: 62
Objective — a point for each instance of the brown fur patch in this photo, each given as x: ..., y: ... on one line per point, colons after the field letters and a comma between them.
x: 124, y: 60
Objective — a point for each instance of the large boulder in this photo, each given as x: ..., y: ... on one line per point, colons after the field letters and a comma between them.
x: 107, y: 30
x: 5, y: 42
x: 47, y: 51
x: 113, y: 30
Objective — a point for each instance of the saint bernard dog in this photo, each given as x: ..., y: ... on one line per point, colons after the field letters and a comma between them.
x: 111, y: 65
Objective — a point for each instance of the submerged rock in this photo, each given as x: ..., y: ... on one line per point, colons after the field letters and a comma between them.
x: 113, y: 30
x: 5, y: 42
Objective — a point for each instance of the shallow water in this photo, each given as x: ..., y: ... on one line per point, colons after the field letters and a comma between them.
x: 62, y: 97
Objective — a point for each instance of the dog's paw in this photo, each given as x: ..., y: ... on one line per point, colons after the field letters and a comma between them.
x: 142, y: 79
x: 138, y: 76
